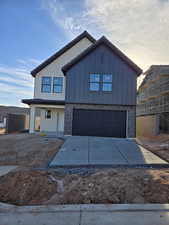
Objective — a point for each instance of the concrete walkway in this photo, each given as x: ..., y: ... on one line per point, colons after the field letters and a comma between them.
x: 6, y: 169
x: 120, y: 214
x: 83, y: 151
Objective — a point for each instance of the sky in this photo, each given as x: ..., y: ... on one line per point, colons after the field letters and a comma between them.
x: 33, y: 30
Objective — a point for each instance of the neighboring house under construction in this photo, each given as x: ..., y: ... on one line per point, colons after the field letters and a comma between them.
x: 153, y: 101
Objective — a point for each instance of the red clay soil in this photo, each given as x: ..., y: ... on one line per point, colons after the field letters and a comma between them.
x: 28, y: 187
x: 27, y: 150
x: 103, y: 186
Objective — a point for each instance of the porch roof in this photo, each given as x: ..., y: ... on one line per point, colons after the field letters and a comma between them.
x: 43, y: 101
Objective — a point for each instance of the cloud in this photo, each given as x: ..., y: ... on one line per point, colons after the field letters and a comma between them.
x: 139, y: 28
x: 14, y: 90
x: 20, y: 72
x: 29, y: 63
x: 16, y: 83
x: 21, y: 61
x: 35, y: 62
x: 64, y: 14
x: 12, y: 95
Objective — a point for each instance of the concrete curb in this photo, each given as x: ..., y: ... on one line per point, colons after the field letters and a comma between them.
x: 162, y: 157
x: 6, y: 208
x: 96, y: 166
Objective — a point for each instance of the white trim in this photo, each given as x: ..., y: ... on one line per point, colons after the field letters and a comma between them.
x: 32, y: 120
x: 48, y: 106
x: 57, y: 123
x: 127, y: 123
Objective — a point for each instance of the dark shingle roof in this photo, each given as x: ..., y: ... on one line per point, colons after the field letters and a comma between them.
x: 102, y: 40
x: 43, y: 101
x: 61, y: 51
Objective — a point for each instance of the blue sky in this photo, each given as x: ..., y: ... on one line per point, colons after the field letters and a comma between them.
x: 32, y: 30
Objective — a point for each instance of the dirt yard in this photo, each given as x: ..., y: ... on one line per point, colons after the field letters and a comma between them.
x: 159, y: 145
x: 27, y: 150
x: 29, y: 186
x: 106, y: 186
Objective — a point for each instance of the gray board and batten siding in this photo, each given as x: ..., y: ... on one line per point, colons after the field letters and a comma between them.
x: 102, y: 60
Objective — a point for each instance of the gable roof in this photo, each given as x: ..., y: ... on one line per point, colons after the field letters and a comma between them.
x: 85, y: 34
x: 102, y: 40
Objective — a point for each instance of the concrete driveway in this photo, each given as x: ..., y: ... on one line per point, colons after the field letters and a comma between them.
x: 83, y: 151
x: 6, y: 169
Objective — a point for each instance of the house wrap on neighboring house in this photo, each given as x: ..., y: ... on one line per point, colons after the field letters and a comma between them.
x: 153, y: 101
x: 87, y: 88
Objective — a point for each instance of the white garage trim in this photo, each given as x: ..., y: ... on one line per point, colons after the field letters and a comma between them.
x: 126, y: 123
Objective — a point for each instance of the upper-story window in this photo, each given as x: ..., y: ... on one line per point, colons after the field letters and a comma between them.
x: 94, y: 82
x: 57, y: 84
x: 107, y: 82
x: 100, y: 82
x: 46, y: 84
x: 49, y: 84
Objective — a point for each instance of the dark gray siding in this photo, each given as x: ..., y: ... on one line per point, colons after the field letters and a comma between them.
x: 101, y: 60
x: 15, y: 122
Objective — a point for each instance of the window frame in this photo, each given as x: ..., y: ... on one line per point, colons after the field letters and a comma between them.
x: 58, y: 85
x: 46, y: 114
x: 94, y: 82
x: 106, y: 82
x: 101, y: 82
x: 43, y: 84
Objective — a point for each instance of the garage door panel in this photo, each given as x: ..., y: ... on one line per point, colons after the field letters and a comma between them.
x: 104, y: 123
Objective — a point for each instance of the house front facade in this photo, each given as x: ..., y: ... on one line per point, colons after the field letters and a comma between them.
x: 87, y: 88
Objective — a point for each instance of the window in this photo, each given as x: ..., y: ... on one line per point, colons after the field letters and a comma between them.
x: 107, y: 82
x: 48, y: 114
x: 46, y: 84
x: 102, y: 82
x: 94, y: 82
x: 57, y: 84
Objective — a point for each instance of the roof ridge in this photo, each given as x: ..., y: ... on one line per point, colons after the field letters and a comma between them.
x: 104, y: 40
x: 63, y: 50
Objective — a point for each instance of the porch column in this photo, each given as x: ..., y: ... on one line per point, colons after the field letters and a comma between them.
x: 32, y: 119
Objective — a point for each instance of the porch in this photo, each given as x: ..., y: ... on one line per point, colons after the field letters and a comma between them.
x: 51, y: 116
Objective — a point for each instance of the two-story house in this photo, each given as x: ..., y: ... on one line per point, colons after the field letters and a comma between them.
x: 87, y: 88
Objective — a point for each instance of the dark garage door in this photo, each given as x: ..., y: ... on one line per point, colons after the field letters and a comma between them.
x: 101, y: 123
